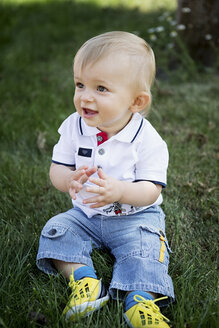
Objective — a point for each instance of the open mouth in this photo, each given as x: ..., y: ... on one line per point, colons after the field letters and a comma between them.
x: 89, y: 112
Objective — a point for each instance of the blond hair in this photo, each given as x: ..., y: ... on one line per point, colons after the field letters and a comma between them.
x: 141, y: 56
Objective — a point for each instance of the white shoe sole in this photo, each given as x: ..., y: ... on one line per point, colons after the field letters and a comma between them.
x: 85, y: 309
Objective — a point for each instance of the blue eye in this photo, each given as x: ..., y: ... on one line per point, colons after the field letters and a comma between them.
x: 101, y: 88
x: 79, y: 85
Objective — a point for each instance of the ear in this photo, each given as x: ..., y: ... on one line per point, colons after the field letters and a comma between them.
x: 140, y: 102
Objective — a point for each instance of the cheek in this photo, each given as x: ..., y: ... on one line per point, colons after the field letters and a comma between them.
x: 75, y: 99
x: 108, y: 104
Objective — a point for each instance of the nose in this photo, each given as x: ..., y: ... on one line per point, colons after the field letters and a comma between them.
x: 87, y: 96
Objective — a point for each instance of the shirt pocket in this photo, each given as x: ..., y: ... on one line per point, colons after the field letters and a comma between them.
x: 84, y: 156
x: 154, y: 244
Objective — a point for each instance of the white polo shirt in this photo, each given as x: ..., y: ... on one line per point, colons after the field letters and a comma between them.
x: 136, y: 153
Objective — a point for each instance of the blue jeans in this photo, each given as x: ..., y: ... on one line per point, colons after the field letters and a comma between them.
x: 141, y: 258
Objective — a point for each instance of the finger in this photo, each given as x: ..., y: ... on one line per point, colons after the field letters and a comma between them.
x: 101, y: 174
x: 88, y: 173
x: 72, y: 193
x: 91, y: 171
x: 78, y: 174
x: 95, y: 199
x: 83, y: 167
x: 96, y: 190
x: 100, y: 204
x: 74, y: 188
x: 98, y: 182
x: 75, y: 185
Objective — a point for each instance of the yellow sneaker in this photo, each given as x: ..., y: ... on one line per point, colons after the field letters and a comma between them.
x: 145, y: 314
x: 88, y: 295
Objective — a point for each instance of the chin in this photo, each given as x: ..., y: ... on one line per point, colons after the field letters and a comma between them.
x: 90, y: 123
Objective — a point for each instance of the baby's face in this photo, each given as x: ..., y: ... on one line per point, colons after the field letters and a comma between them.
x: 104, y: 93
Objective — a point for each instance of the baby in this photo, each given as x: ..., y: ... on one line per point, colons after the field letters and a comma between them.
x: 113, y: 163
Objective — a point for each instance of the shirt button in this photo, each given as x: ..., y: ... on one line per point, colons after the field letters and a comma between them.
x: 99, y: 138
x: 101, y: 151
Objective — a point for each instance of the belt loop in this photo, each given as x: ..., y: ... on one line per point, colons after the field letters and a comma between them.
x: 162, y: 249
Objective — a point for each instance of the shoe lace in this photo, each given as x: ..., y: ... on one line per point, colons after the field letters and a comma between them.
x: 75, y: 286
x: 150, y: 304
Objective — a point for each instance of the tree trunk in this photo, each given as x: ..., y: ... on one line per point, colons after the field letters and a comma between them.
x: 200, y: 18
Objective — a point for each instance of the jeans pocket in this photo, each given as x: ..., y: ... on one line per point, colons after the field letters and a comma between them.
x: 154, y: 244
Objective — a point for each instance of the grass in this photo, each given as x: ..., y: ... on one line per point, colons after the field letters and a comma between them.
x: 38, y: 40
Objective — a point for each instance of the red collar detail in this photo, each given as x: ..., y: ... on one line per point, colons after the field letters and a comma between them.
x: 101, y: 138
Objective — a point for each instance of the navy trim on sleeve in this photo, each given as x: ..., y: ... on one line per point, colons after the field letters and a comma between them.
x: 138, y: 130
x: 62, y: 163
x: 159, y: 183
x: 155, y: 182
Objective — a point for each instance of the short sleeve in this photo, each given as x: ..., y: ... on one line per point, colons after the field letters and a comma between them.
x: 153, y: 158
x: 64, y: 150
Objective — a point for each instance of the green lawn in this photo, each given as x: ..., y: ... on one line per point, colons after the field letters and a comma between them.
x: 38, y: 40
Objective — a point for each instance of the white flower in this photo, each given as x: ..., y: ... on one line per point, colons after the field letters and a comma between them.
x: 173, y: 34
x: 153, y: 37
x: 161, y: 18
x: 208, y: 37
x: 151, y: 30
x: 173, y: 22
x: 181, y: 27
x: 170, y: 45
x: 186, y: 10
x: 159, y: 29
x: 166, y: 14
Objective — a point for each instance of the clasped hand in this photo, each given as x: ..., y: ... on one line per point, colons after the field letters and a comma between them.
x: 107, y: 189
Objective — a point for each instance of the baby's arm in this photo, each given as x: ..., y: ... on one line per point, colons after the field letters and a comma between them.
x: 110, y: 190
x: 67, y: 179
